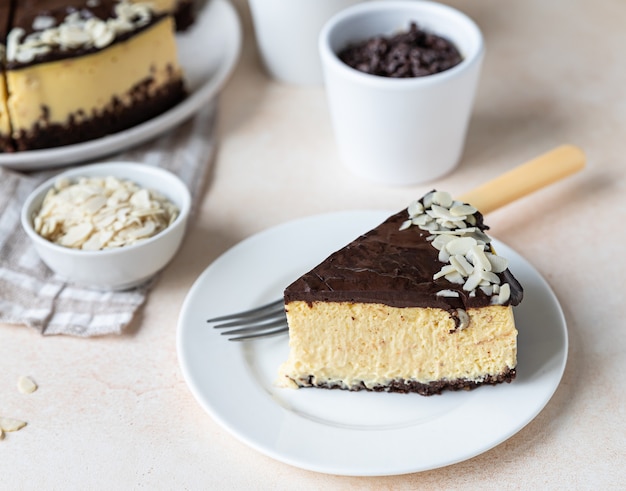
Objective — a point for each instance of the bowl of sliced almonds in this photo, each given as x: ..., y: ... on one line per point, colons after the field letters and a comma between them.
x: 108, y: 226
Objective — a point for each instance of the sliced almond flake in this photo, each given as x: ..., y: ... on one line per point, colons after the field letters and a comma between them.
x: 406, y: 224
x: 461, y: 265
x: 447, y: 294
x: 472, y: 281
x: 94, y: 204
x: 421, y: 219
x: 430, y: 227
x: 10, y: 424
x: 504, y: 294
x: 62, y: 183
x: 98, y: 241
x: 464, y: 319
x: 119, y: 225
x: 460, y: 246
x: 38, y: 223
x: 146, y: 230
x: 490, y: 277
x: 443, y: 256
x: 76, y: 235
x: 447, y: 269
x: 121, y: 195
x: 462, y: 210
x: 440, y: 241
x: 443, y: 213
x: 458, y: 231
x: 479, y: 235
x: 147, y: 212
x: 104, y: 221
x: 446, y: 224
x: 415, y: 208
x: 140, y: 199
x: 123, y: 212
x: 498, y: 263
x: 442, y: 198
x: 26, y: 385
x: 427, y: 200
x: 479, y: 259
x: 455, y: 277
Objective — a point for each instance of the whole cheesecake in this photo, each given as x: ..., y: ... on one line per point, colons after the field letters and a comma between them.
x: 75, y: 70
x: 420, y: 303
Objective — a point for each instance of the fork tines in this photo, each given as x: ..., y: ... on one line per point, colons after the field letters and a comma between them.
x: 253, y: 323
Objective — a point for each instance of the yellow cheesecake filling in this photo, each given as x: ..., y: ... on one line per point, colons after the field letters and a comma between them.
x: 75, y: 89
x: 351, y: 345
x: 5, y: 122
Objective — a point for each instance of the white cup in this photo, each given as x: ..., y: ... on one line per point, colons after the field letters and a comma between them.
x: 400, y: 131
x: 287, y: 33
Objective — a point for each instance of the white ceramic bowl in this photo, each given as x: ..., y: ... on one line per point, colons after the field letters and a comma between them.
x: 400, y: 131
x: 286, y: 34
x: 119, y: 268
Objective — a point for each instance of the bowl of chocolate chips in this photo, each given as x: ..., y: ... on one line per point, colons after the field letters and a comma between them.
x: 401, y: 78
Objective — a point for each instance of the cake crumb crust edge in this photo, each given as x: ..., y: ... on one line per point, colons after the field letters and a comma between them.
x: 411, y: 386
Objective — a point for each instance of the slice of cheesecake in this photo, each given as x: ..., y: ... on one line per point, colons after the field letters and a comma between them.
x: 420, y: 303
x: 80, y: 70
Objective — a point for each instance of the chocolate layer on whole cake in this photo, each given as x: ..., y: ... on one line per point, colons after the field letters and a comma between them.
x: 37, y: 16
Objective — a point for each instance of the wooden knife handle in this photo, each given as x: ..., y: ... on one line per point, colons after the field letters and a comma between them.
x: 527, y: 178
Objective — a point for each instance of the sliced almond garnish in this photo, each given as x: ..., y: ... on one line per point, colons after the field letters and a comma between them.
x: 464, y: 248
x: 94, y: 213
x: 26, y: 385
x: 10, y: 424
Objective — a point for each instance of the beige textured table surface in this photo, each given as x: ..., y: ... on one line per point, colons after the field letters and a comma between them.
x: 115, y: 412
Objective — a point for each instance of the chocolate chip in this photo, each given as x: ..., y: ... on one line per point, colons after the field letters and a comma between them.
x: 413, y: 53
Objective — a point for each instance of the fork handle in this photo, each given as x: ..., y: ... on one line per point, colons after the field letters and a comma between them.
x: 526, y: 179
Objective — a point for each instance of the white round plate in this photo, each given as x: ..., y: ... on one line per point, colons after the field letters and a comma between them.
x: 208, y: 53
x: 340, y: 432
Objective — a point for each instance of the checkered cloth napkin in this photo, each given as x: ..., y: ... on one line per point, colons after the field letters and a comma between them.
x: 32, y: 295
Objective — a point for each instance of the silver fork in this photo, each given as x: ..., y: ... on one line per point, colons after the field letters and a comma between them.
x: 266, y: 320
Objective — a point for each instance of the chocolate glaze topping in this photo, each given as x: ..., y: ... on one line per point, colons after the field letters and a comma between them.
x: 393, y: 267
x: 5, y: 11
x: 26, y: 11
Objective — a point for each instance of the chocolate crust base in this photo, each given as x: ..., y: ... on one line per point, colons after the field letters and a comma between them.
x: 116, y: 117
x: 432, y: 388
x: 6, y: 144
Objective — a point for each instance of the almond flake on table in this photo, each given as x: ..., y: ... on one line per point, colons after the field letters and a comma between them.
x: 10, y: 424
x: 26, y: 385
